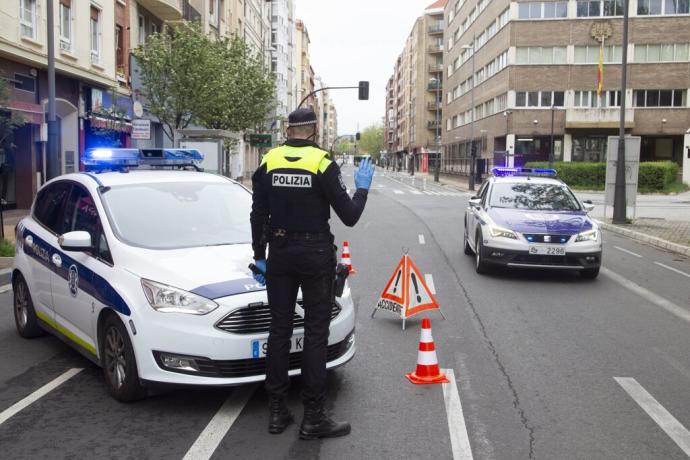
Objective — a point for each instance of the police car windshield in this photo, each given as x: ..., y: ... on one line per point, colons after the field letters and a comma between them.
x: 173, y: 215
x: 533, y: 196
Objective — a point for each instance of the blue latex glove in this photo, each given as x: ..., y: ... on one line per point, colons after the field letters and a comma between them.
x: 364, y: 174
x: 261, y: 265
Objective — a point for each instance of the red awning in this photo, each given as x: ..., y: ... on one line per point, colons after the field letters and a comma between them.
x: 32, y: 113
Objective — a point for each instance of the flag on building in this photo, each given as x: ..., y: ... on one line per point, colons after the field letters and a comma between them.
x: 600, y: 72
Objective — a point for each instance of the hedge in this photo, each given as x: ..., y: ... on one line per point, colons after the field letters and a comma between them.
x: 654, y: 176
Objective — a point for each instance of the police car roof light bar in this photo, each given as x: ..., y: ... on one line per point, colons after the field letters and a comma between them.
x: 100, y: 159
x: 534, y: 172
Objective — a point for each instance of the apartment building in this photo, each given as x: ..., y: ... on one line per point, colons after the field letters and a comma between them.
x: 92, y: 85
x: 282, y: 39
x: 413, y: 94
x: 327, y: 122
x: 304, y: 73
x: 513, y: 67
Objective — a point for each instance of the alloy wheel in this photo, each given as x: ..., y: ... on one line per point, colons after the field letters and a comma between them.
x: 21, y: 304
x: 115, y: 360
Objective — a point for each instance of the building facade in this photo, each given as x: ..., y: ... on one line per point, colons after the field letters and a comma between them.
x: 521, y: 73
x: 304, y: 73
x: 327, y: 117
x: 282, y: 39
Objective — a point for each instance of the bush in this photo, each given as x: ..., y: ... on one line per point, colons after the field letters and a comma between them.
x: 655, y: 176
x: 6, y: 249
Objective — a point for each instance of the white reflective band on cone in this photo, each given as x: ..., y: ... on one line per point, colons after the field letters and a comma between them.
x: 427, y: 358
x: 426, y: 336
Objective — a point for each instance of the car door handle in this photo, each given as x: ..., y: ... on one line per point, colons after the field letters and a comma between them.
x: 57, y: 260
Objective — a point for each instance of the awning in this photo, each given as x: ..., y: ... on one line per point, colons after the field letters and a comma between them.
x: 32, y: 113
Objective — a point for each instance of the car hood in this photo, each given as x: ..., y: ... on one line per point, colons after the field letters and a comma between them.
x: 557, y: 222
x: 212, y: 272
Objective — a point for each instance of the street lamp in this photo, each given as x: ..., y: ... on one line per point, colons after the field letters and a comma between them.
x: 551, y: 145
x: 472, y: 154
x: 435, y: 81
x: 619, y: 199
x: 506, y: 113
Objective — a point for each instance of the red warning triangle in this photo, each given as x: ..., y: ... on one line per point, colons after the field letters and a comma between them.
x: 395, y: 289
x: 419, y: 296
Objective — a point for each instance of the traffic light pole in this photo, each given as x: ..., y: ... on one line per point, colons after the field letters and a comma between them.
x: 619, y: 199
x: 52, y: 166
x: 363, y: 88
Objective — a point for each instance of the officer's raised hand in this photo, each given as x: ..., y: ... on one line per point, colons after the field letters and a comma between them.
x: 364, y: 174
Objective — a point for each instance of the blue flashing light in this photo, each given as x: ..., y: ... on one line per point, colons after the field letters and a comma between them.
x: 543, y: 172
x: 106, y: 158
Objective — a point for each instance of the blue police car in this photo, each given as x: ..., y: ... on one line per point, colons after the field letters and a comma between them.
x: 528, y: 218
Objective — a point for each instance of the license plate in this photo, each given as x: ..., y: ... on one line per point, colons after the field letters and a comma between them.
x: 259, y: 347
x: 547, y: 250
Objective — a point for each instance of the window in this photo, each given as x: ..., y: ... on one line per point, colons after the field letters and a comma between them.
x: 65, y: 25
x: 154, y: 28
x: 541, y: 55
x: 95, y: 34
x: 119, y: 50
x: 588, y: 8
x: 81, y: 215
x: 24, y: 82
x: 542, y: 10
x: 589, y: 99
x: 672, y: 52
x: 539, y: 99
x: 142, y: 29
x: 677, y: 7
x: 49, y: 204
x: 214, y: 13
x: 660, y: 98
x: 649, y: 7
x: 590, y: 54
x: 27, y: 18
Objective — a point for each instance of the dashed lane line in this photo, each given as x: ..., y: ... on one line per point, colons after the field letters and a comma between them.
x: 416, y: 192
x: 428, y: 277
x: 656, y: 299
x: 687, y: 275
x: 38, y: 394
x: 398, y: 192
x: 5, y: 288
x: 421, y: 239
x: 459, y: 440
x: 627, y: 251
x: 209, y: 439
x: 667, y: 422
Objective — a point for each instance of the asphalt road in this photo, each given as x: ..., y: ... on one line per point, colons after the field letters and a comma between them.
x: 546, y: 365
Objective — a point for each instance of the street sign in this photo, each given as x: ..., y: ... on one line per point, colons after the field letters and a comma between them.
x: 141, y: 129
x: 632, y: 170
x: 261, y: 140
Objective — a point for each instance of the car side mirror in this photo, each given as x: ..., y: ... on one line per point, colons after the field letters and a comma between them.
x: 589, y: 207
x: 75, y: 241
x: 475, y: 202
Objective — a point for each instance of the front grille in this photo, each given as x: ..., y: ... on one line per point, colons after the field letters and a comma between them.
x: 546, y: 260
x: 237, y: 368
x: 541, y: 238
x: 257, y: 319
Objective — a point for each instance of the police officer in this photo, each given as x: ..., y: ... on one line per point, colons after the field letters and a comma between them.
x: 294, y: 189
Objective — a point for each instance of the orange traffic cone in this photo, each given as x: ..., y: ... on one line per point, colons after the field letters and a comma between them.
x: 427, y: 364
x: 345, y: 258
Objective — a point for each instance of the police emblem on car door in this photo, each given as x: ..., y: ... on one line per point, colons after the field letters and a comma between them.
x: 73, y: 280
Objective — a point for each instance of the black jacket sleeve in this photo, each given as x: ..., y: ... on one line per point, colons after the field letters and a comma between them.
x: 348, y: 209
x: 259, y: 214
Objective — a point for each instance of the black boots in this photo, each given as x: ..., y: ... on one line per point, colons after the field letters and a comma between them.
x: 280, y: 416
x: 316, y: 424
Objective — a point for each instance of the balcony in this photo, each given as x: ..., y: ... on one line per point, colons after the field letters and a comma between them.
x: 433, y: 124
x: 435, y: 68
x: 598, y: 117
x: 434, y: 87
x: 433, y: 106
x: 435, y: 49
x: 167, y: 10
x: 436, y: 30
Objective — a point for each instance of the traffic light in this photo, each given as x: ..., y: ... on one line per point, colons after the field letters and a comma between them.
x: 358, y: 136
x: 363, y: 90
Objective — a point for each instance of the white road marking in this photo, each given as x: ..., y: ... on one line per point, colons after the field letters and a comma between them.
x: 627, y: 252
x: 648, y: 295
x: 5, y: 288
x: 209, y: 439
x: 416, y: 192
x: 657, y: 412
x: 421, y: 239
x: 430, y: 282
x: 398, y: 192
x: 38, y: 394
x: 459, y: 440
x: 673, y: 269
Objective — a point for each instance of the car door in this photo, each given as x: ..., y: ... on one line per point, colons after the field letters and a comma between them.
x: 74, y: 281
x: 40, y: 236
x: 472, y: 216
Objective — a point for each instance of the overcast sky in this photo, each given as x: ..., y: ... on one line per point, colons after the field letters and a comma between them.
x: 353, y: 40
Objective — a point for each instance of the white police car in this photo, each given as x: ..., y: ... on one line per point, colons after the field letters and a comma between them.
x: 145, y: 273
x: 528, y: 218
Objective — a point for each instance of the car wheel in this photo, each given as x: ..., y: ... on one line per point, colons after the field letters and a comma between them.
x: 589, y: 273
x: 468, y: 248
x: 24, y: 314
x: 119, y: 363
x: 480, y: 264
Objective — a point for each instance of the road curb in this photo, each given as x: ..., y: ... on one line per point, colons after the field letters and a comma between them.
x: 5, y: 276
x: 653, y: 240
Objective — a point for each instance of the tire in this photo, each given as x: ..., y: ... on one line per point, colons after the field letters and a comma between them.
x: 468, y: 249
x: 589, y: 273
x: 24, y: 314
x: 480, y: 264
x: 119, y: 363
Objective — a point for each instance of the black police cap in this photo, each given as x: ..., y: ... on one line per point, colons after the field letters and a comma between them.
x: 301, y: 117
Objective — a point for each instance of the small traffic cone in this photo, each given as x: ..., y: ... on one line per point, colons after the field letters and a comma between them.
x: 427, y: 364
x: 345, y: 258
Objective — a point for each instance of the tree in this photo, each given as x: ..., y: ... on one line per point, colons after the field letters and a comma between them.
x: 9, y: 120
x: 371, y: 140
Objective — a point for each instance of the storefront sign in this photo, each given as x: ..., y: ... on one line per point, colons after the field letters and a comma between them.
x: 141, y: 129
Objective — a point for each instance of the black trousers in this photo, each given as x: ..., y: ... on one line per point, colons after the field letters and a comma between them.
x: 311, y: 266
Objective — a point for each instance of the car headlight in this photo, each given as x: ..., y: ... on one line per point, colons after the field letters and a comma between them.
x: 500, y: 232
x: 168, y: 299
x: 591, y: 235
